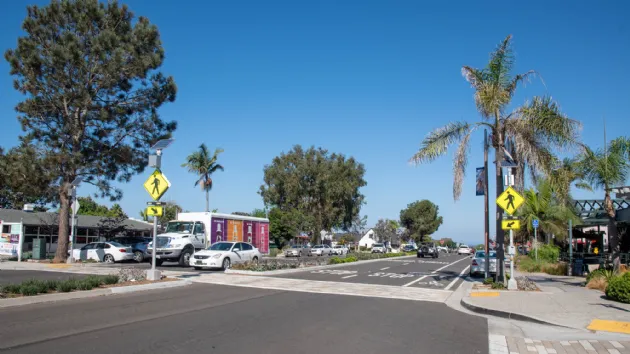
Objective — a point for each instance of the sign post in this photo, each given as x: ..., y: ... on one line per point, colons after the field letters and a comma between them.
x: 510, y: 201
x: 535, y: 225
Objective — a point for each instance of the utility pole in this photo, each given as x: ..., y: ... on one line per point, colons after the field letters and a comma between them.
x: 486, y: 201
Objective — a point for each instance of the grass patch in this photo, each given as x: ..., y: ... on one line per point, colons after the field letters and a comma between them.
x: 531, y: 265
x: 35, y: 286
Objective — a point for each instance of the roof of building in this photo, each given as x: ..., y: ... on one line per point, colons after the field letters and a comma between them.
x: 45, y: 218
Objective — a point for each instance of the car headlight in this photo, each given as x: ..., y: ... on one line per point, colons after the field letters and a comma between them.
x: 218, y: 255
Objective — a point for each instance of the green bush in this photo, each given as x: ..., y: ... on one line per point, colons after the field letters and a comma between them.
x: 11, y: 288
x: 555, y: 269
x: 619, y: 288
x: 29, y: 290
x: 498, y: 286
x: 110, y: 279
x: 65, y: 286
x: 594, y: 274
x: 488, y: 281
x: 85, y: 284
x: 40, y: 286
x: 94, y: 280
x: 51, y: 284
x: 548, y: 253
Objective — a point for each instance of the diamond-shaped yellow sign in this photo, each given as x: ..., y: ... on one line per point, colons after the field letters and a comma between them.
x: 157, y: 185
x: 155, y: 210
x: 511, y: 224
x: 510, y: 200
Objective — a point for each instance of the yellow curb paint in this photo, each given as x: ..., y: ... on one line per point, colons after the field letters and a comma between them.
x: 59, y: 266
x: 610, y: 326
x: 484, y: 294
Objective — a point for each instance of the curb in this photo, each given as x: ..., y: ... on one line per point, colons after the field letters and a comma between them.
x: 507, y: 315
x: 30, y: 300
x: 306, y: 269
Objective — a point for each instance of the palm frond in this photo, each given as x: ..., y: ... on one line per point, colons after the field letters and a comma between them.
x: 543, y: 115
x: 501, y: 63
x: 518, y: 79
x: 459, y: 164
x: 437, y: 142
x: 474, y: 76
x: 584, y: 186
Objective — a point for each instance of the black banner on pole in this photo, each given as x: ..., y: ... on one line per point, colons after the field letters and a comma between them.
x: 480, y: 185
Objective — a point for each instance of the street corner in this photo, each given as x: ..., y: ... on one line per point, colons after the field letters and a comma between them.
x: 609, y: 326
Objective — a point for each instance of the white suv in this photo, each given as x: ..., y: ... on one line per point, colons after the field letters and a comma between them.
x: 379, y: 248
x: 463, y: 249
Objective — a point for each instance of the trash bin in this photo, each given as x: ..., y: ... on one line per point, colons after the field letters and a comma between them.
x: 578, y: 267
x: 39, y: 248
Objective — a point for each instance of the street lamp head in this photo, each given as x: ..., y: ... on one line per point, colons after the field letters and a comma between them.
x: 162, y: 144
x: 77, y: 181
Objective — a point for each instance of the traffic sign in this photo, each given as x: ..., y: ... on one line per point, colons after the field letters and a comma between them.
x: 155, y: 210
x: 511, y: 224
x: 510, y: 200
x: 156, y: 185
x: 535, y: 223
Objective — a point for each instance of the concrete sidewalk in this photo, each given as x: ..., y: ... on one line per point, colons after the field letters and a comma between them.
x: 562, y: 301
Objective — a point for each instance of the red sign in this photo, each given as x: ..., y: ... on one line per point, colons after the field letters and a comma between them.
x: 441, y: 242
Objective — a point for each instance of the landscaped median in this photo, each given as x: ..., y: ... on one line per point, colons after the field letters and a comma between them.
x: 270, y: 266
x: 37, y: 290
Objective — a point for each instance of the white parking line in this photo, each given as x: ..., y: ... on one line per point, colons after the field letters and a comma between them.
x: 384, y: 268
x: 435, y: 271
x: 457, y: 278
x: 349, y: 276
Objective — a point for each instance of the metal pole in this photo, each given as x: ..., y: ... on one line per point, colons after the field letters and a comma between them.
x: 512, y: 285
x: 72, y: 225
x: 486, y: 205
x: 154, y: 244
x: 536, y: 242
x: 570, y: 247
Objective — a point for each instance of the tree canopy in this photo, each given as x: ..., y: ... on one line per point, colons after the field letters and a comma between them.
x: 285, y: 225
x: 89, y: 71
x: 421, y: 219
x: 87, y: 206
x: 318, y: 185
x: 386, y: 230
x: 204, y: 165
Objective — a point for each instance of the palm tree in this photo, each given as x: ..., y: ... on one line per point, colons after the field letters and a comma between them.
x: 532, y: 129
x: 203, y: 165
x: 604, y: 169
x: 545, y: 205
x: 568, y: 174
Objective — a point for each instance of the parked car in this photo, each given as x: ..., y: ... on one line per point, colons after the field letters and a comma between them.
x: 408, y: 248
x: 138, y: 246
x: 222, y: 255
x: 463, y: 249
x: 442, y: 249
x: 321, y: 250
x: 340, y: 250
x: 379, y: 248
x: 295, y: 251
x: 428, y: 249
x: 108, y: 252
x: 478, y: 264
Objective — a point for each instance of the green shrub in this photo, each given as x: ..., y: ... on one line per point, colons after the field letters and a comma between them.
x: 555, y: 269
x: 619, y: 288
x: 498, y: 286
x: 488, y: 281
x: 594, y: 274
x: 350, y: 259
x: 548, y: 253
x: 51, y: 284
x: 335, y: 260
x: 29, y: 290
x: 110, y: 279
x: 11, y: 288
x: 94, y: 280
x: 273, y: 252
x: 85, y: 284
x: 66, y: 286
x: 40, y: 286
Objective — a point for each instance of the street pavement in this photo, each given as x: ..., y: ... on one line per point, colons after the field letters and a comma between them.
x: 204, y: 318
x: 444, y: 273
x: 18, y: 276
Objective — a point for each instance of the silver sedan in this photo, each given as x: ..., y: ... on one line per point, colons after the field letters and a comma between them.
x: 478, y: 265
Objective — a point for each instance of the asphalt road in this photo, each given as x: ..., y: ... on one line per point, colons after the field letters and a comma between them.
x: 18, y: 276
x: 440, y: 273
x: 204, y: 318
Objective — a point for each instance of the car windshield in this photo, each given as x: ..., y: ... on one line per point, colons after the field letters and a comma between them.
x: 116, y: 244
x: 338, y: 246
x: 378, y: 245
x: 180, y: 226
x: 221, y: 246
x: 482, y: 254
x: 464, y: 247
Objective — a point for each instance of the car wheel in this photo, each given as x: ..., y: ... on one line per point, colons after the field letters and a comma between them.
x: 226, y: 263
x: 418, y: 256
x: 138, y: 256
x: 108, y: 258
x: 184, y: 258
x: 255, y: 260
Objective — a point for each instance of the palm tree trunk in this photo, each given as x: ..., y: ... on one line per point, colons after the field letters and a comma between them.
x: 613, y: 233
x: 207, y: 201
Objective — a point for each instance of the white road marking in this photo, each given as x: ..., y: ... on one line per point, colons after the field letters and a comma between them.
x: 433, y: 272
x: 406, y: 264
x: 384, y: 268
x: 349, y: 276
x: 456, y: 278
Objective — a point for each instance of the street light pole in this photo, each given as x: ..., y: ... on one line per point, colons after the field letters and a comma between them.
x: 486, y: 204
x: 154, y: 274
x: 75, y: 208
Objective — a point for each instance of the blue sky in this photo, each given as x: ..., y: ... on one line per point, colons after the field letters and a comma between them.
x: 365, y: 78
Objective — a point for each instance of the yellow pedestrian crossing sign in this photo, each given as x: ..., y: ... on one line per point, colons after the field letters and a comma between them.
x: 511, y: 224
x: 510, y: 200
x: 155, y: 210
x: 156, y: 185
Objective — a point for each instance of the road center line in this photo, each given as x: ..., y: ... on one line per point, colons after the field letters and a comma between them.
x: 349, y: 276
x: 456, y: 278
x: 384, y: 268
x: 435, y: 271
